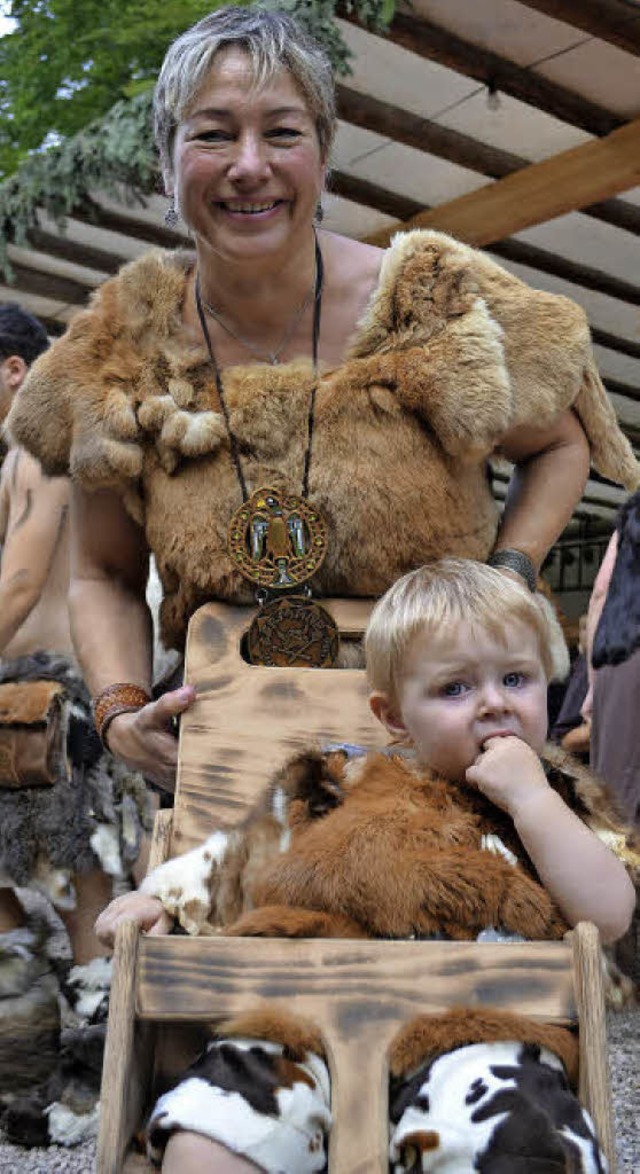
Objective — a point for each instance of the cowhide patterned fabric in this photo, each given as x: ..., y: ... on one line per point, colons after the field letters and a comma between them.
x: 500, y: 1108
x: 251, y: 1096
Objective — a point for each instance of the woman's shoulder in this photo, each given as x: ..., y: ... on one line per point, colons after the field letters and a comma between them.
x: 145, y: 295
x: 76, y: 380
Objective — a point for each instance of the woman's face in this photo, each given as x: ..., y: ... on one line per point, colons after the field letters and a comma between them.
x: 247, y: 166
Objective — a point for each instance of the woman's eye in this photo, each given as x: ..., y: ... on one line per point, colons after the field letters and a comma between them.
x: 513, y: 680
x: 283, y: 132
x: 213, y: 136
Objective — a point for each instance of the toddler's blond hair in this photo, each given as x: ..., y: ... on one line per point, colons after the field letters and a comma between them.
x: 443, y: 594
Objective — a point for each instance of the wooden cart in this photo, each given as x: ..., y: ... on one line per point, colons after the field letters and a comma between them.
x: 245, y: 723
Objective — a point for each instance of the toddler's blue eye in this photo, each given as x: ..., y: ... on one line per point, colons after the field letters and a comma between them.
x: 454, y: 689
x: 513, y: 680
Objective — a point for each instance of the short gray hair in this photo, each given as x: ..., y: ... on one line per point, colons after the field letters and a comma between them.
x: 271, y: 39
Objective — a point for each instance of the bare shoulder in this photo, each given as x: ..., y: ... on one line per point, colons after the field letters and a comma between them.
x: 351, y: 261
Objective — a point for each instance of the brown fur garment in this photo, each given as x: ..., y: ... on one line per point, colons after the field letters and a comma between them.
x: 400, y: 856
x: 376, y: 847
x: 452, y: 353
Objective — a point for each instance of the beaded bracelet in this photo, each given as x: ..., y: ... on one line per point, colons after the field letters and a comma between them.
x: 114, y: 700
x: 515, y: 560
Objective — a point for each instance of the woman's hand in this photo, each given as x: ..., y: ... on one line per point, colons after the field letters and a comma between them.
x: 147, y: 911
x: 146, y: 741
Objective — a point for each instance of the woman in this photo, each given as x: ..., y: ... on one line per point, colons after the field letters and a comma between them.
x: 430, y: 358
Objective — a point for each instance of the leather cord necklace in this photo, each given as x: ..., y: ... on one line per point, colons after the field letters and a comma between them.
x: 277, y: 540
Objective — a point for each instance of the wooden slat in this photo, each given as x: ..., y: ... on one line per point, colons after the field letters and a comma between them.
x: 565, y: 183
x: 210, y: 979
x: 421, y: 134
x: 595, y: 1090
x: 615, y: 21
x: 227, y: 756
x: 435, y: 43
x: 126, y: 1071
x: 161, y: 839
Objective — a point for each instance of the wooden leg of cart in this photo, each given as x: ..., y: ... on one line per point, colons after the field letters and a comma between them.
x: 595, y: 1090
x: 128, y: 1067
x: 128, y: 1058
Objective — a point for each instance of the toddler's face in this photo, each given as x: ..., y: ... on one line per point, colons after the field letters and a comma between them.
x: 466, y: 686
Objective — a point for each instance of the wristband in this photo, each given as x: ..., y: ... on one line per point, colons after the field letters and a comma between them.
x: 515, y: 560
x: 114, y: 700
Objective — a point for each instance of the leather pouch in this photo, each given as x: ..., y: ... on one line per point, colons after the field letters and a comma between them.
x: 33, y: 734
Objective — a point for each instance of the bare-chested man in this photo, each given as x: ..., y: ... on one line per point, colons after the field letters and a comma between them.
x: 69, y: 839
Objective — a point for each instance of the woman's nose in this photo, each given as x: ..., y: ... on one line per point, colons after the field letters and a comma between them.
x: 250, y: 158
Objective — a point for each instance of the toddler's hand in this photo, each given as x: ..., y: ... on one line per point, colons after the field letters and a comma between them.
x: 149, y: 913
x: 508, y: 772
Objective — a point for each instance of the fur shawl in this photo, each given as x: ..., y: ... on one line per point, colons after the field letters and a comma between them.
x: 451, y: 353
x: 375, y: 847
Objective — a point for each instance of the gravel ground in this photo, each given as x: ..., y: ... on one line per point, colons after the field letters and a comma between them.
x: 624, y: 1053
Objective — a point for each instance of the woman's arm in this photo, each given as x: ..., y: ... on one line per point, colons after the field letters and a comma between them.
x: 552, y: 466
x: 38, y: 509
x: 112, y: 629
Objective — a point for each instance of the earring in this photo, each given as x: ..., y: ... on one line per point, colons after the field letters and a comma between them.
x: 171, y: 217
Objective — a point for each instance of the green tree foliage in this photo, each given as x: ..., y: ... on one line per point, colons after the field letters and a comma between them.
x: 69, y: 61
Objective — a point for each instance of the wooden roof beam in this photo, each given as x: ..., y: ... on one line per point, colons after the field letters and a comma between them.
x: 567, y: 182
x: 431, y: 41
x: 609, y: 20
x: 421, y: 134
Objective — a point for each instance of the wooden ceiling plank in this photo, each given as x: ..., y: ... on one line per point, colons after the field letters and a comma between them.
x: 613, y: 342
x: 435, y: 43
x: 609, y: 20
x: 153, y: 234
x: 362, y: 191
x: 48, y: 285
x: 545, y: 261
x: 370, y: 113
x: 69, y: 250
x: 567, y: 182
x: 421, y: 134
x: 625, y: 390
x: 619, y: 213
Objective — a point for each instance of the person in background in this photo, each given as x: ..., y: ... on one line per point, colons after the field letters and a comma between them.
x: 70, y: 816
x: 570, y: 729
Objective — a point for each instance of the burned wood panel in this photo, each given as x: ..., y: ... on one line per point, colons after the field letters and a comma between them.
x: 248, y: 720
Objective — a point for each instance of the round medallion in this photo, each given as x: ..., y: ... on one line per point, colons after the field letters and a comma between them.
x: 277, y: 540
x: 293, y: 632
